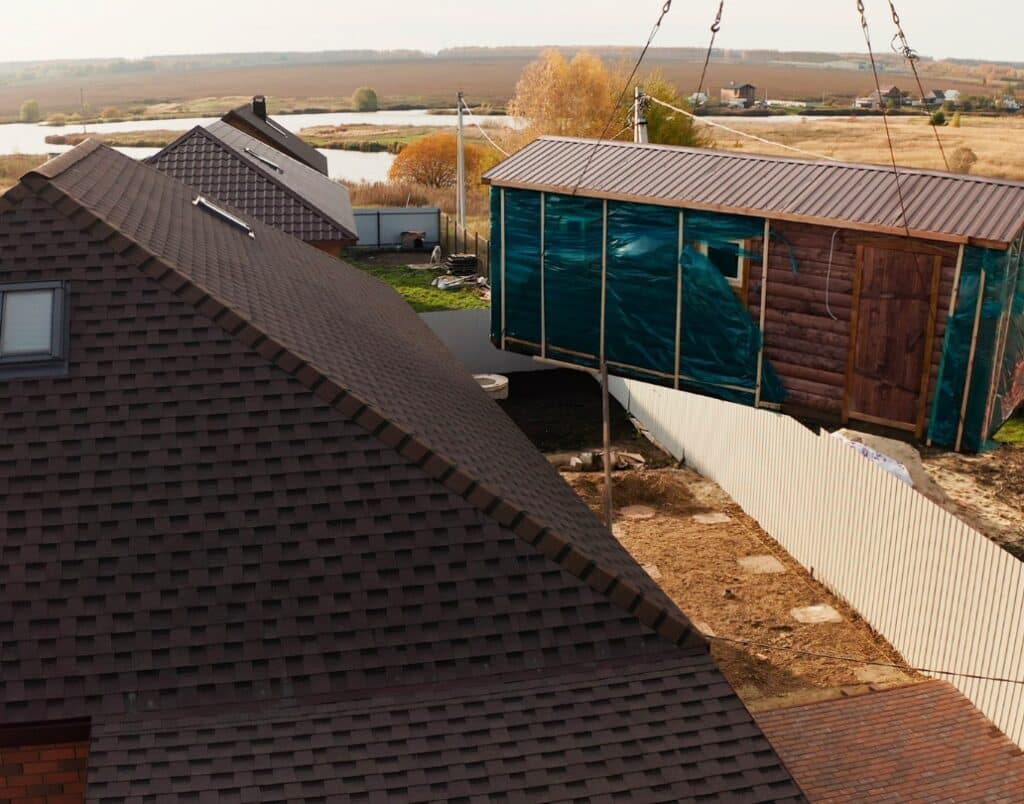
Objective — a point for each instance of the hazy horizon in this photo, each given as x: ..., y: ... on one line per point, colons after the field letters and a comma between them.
x: 58, y: 29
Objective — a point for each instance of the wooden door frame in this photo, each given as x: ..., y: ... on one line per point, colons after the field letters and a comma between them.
x: 917, y: 427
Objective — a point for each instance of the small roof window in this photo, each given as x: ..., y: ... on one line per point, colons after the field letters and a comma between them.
x: 264, y: 160
x: 33, y: 329
x: 205, y: 203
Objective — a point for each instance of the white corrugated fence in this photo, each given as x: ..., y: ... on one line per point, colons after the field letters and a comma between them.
x: 944, y: 595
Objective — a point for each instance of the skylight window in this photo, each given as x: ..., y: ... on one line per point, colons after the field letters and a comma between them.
x: 234, y: 220
x: 33, y: 329
x: 264, y: 160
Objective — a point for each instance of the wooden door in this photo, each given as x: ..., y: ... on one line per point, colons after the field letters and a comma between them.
x: 892, y: 328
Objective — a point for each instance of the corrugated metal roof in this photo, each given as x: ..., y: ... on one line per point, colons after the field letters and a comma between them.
x: 939, y: 206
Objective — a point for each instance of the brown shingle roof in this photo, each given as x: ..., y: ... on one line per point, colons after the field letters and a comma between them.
x: 243, y: 538
x: 229, y: 165
x: 923, y: 743
x: 278, y: 136
x: 940, y: 206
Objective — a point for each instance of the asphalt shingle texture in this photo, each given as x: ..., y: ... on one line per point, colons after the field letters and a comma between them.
x: 276, y: 135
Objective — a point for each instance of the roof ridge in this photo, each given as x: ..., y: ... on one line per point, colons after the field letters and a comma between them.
x: 673, y: 626
x: 268, y: 174
x: 54, y: 167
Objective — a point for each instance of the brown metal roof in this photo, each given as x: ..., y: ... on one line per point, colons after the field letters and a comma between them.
x: 939, y: 206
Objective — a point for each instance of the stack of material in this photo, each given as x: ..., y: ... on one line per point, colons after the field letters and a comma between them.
x: 461, y: 264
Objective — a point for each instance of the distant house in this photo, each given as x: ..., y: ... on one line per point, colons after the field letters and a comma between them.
x: 242, y: 171
x: 767, y: 281
x: 952, y: 96
x: 252, y: 119
x: 936, y: 97
x: 265, y: 539
x: 1010, y: 104
x: 742, y: 96
x: 889, y: 95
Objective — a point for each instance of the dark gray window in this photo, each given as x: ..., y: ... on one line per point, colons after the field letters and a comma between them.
x: 33, y: 329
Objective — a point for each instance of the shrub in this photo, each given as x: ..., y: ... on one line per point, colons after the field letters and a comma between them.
x: 938, y: 118
x: 955, y: 122
x: 57, y: 119
x: 365, y: 99
x: 30, y: 112
x: 110, y: 113
x: 962, y: 160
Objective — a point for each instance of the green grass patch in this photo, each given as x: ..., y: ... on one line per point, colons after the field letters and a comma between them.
x: 414, y: 285
x: 1012, y: 432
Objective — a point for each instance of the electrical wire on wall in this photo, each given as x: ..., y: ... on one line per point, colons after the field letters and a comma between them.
x: 828, y: 275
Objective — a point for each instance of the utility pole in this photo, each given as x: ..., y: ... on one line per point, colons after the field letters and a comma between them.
x: 461, y: 172
x: 639, y: 117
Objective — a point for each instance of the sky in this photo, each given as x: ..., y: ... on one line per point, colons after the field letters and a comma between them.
x: 51, y: 29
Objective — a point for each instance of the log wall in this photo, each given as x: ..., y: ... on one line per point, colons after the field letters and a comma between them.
x: 807, y: 320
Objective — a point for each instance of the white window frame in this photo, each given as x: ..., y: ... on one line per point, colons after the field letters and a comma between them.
x: 742, y: 263
x: 39, y: 364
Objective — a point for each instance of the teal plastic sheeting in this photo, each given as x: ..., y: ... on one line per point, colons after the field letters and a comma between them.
x: 643, y: 269
x: 1010, y: 390
x: 1002, y: 313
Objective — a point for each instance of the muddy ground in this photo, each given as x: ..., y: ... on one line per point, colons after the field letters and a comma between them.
x: 696, y: 561
x: 985, y: 490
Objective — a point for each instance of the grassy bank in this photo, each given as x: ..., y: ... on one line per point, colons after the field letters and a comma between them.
x: 414, y: 285
x: 126, y: 139
x: 14, y: 166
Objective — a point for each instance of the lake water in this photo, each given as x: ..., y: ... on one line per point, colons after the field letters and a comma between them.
x: 30, y: 138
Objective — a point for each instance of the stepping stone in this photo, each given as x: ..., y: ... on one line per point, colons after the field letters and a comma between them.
x: 704, y: 628
x: 653, y: 571
x: 714, y: 518
x: 762, y: 565
x: 814, y: 615
x: 637, y: 512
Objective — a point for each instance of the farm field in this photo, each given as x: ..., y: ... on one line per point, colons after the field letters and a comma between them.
x: 995, y: 140
x: 428, y: 81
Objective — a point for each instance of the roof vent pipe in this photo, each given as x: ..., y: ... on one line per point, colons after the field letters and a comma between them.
x: 259, y: 106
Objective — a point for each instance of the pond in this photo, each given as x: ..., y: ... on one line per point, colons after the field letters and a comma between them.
x: 30, y: 138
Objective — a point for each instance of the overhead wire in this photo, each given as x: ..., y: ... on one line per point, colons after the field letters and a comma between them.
x: 738, y: 132
x: 480, y: 128
x: 855, y: 660
x: 716, y: 26
x: 625, y: 87
x: 911, y: 55
x: 885, y: 119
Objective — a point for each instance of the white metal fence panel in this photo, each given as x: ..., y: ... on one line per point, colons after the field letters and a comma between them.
x: 383, y: 228
x: 944, y: 595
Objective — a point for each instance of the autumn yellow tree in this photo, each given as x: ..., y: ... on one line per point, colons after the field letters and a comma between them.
x: 669, y: 127
x: 432, y: 161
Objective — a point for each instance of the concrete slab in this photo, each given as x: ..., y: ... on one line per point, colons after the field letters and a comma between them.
x: 653, y: 571
x: 762, y: 565
x: 637, y: 512
x: 816, y: 614
x: 714, y: 518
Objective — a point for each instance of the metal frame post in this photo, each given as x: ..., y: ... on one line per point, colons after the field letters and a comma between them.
x: 764, y: 301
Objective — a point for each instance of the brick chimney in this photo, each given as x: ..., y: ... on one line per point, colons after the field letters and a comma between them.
x: 259, y: 106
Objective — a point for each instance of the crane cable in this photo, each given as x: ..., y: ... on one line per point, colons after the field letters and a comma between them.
x: 885, y: 118
x: 716, y: 26
x: 618, y: 103
x: 911, y: 55
x: 738, y: 132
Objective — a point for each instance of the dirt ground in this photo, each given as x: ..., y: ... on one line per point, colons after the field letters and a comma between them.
x: 986, y: 491
x: 697, y: 564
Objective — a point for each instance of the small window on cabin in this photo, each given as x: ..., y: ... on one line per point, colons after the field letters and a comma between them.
x: 728, y: 259
x: 33, y: 329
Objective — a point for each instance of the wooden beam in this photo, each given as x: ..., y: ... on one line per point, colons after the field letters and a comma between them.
x: 765, y: 253
x: 504, y: 252
x: 543, y: 296
x: 926, y: 374
x: 604, y: 276
x: 970, y: 361
x: 679, y: 296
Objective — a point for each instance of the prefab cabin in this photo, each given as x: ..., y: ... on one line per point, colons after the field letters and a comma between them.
x: 839, y: 292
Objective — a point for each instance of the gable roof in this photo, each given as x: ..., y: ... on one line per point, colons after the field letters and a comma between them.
x: 231, y: 166
x: 940, y: 206
x: 923, y: 742
x: 277, y: 136
x: 519, y: 552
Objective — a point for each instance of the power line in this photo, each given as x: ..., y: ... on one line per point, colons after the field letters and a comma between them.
x: 481, y: 129
x: 855, y: 660
x: 738, y: 132
x: 911, y: 56
x: 716, y: 26
x: 654, y: 32
x: 885, y: 119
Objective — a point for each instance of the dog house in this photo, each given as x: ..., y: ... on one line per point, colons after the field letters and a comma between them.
x: 839, y: 292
